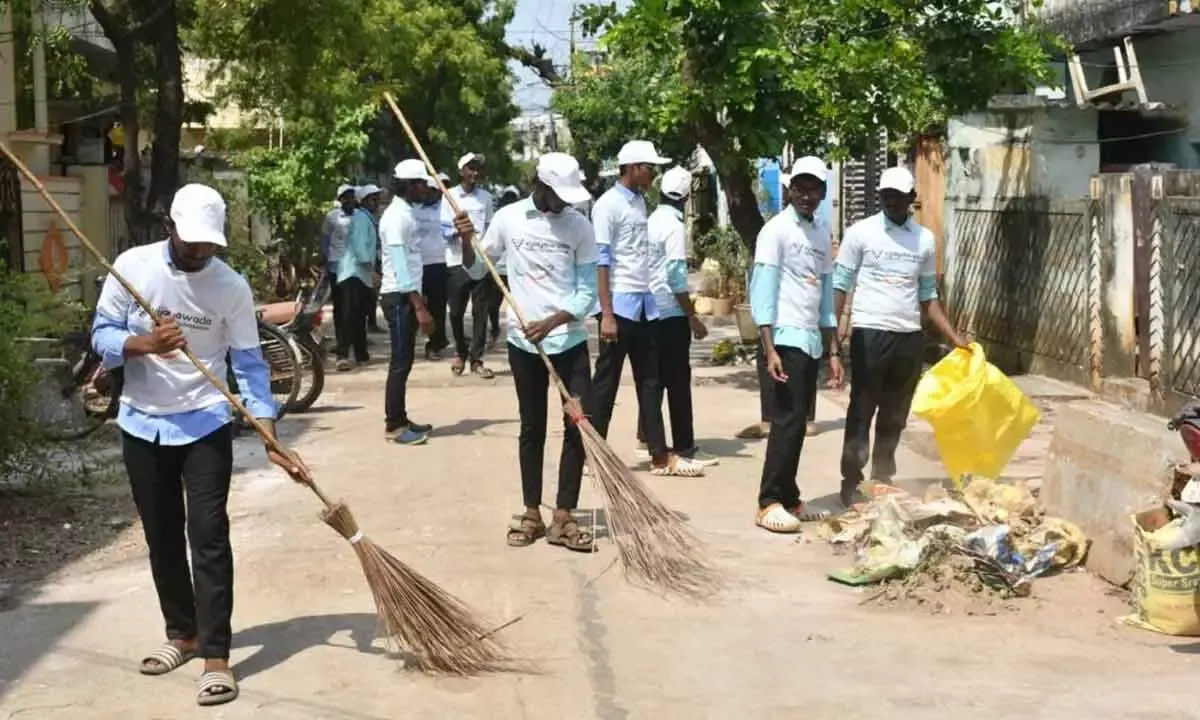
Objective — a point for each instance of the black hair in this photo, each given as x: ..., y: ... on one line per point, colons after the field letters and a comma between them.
x: 677, y: 203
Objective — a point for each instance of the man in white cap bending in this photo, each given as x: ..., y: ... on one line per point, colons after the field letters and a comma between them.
x: 791, y: 298
x: 465, y: 286
x: 176, y: 425
x: 628, y: 312
x: 890, y: 264
x: 551, y: 256
x: 677, y: 322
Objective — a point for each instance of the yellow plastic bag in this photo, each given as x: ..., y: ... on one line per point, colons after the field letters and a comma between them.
x: 978, y: 415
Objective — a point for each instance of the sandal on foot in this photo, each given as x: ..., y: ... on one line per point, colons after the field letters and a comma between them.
x: 569, y: 535
x: 804, y: 513
x: 526, y: 530
x: 482, y: 371
x: 678, y: 467
x: 458, y: 366
x: 165, y: 659
x: 777, y: 520
x: 217, y: 687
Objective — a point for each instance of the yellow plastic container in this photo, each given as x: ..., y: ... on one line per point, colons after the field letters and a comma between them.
x: 978, y: 415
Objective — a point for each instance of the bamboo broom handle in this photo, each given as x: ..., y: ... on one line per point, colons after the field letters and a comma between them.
x: 512, y: 303
x: 268, y: 439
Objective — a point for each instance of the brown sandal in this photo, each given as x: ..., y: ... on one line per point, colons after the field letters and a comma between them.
x: 526, y: 531
x: 458, y: 366
x: 568, y: 534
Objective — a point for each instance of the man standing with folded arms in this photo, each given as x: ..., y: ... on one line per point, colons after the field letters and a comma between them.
x: 464, y: 286
x: 551, y: 255
x: 889, y: 262
x: 175, y: 426
x: 791, y: 298
x: 627, y: 308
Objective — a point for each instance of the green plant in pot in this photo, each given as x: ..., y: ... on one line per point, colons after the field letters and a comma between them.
x: 725, y: 248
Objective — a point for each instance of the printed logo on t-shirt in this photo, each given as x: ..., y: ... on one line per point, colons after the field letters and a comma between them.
x: 892, y: 267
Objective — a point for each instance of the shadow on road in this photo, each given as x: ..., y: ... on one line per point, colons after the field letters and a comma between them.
x: 325, y: 410
x: 31, y: 631
x: 278, y: 642
x: 470, y: 426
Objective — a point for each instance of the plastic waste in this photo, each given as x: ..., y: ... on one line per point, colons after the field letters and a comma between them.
x: 979, y: 416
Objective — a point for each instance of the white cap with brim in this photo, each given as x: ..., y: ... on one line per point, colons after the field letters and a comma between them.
x: 510, y: 190
x: 342, y: 190
x: 470, y: 157
x: 411, y: 169
x: 198, y: 213
x: 808, y: 165
x: 898, y: 179
x: 365, y: 191
x: 638, y: 152
x: 560, y: 172
x: 676, y: 183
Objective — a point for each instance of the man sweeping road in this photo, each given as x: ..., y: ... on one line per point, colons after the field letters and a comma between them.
x: 889, y: 263
x: 791, y: 298
x: 176, y: 426
x: 551, y: 258
x: 627, y: 308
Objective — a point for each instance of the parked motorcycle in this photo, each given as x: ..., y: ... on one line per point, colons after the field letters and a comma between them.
x: 301, y: 321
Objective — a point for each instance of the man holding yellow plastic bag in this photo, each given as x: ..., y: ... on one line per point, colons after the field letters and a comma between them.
x: 889, y: 261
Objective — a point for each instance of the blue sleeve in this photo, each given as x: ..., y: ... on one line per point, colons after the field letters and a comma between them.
x: 677, y: 276
x: 927, y: 288
x: 764, y: 294
x: 404, y: 283
x: 581, y: 302
x: 605, y: 255
x: 254, y: 382
x: 828, y: 317
x: 843, y: 278
x: 108, y: 340
x: 358, y: 247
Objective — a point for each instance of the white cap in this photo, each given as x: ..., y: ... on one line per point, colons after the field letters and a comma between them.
x: 897, y: 178
x: 561, y: 172
x: 434, y: 183
x: 365, y: 191
x: 342, y: 190
x: 462, y: 161
x: 198, y: 213
x: 636, y: 152
x: 676, y: 183
x: 512, y: 190
x: 808, y: 165
x: 411, y: 169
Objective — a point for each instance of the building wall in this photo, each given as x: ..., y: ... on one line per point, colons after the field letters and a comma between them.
x: 39, y: 218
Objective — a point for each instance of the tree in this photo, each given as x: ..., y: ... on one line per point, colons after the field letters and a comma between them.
x: 742, y: 77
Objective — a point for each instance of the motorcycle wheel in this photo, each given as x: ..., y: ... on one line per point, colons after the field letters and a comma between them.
x: 312, y: 365
x: 285, y: 365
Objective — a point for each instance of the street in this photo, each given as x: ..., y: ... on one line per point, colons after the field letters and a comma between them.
x: 782, y: 642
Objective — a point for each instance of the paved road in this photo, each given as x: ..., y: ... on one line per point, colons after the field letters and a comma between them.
x: 783, y: 643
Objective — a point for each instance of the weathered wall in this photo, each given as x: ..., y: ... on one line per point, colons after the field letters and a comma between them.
x: 38, y: 219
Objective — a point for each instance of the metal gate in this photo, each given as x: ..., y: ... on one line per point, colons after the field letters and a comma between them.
x: 11, y: 231
x: 1180, y: 272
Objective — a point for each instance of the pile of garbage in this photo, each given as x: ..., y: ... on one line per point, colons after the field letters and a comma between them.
x: 989, y: 542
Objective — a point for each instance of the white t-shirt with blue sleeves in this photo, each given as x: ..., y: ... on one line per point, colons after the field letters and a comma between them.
x: 891, y: 268
x: 551, y: 261
x: 668, y: 259
x: 791, y: 288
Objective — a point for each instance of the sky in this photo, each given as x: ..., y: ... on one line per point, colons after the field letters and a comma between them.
x: 548, y: 23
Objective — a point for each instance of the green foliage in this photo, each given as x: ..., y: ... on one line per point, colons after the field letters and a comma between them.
x: 722, y: 246
x: 741, y: 77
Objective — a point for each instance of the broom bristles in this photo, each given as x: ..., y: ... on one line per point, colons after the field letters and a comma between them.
x: 656, y: 548
x: 439, y: 631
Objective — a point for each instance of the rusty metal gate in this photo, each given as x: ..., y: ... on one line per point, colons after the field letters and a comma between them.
x: 11, y: 231
x: 1021, y: 278
x: 1179, y: 220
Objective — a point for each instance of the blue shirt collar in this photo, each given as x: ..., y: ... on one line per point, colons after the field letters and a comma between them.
x: 171, y: 263
x: 888, y: 224
x: 626, y: 192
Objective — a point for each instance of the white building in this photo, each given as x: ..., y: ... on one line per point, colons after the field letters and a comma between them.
x: 537, y: 134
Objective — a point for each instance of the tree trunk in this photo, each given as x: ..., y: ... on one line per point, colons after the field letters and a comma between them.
x: 168, y: 114
x: 737, y: 180
x: 132, y: 192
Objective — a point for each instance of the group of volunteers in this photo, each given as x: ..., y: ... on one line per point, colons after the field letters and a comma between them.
x: 623, y: 268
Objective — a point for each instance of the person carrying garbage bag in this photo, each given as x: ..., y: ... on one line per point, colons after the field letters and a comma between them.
x: 889, y: 262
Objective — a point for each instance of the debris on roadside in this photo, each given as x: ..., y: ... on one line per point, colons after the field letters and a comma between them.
x: 988, y: 545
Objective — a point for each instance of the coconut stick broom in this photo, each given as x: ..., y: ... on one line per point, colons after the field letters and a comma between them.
x: 654, y: 545
x: 437, y: 630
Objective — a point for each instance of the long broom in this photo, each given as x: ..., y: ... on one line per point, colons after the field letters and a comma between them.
x: 655, y: 547
x: 439, y: 633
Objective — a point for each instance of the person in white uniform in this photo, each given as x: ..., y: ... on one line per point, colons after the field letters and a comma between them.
x: 465, y: 286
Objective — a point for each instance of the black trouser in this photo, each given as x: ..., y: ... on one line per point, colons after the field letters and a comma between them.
x: 371, y: 307
x: 675, y: 376
x: 765, y: 390
x: 532, y: 381
x: 461, y: 289
x: 495, y: 300
x: 433, y: 285
x: 351, y: 323
x: 402, y: 332
x: 637, y: 339
x: 162, y: 476
x: 884, y: 370
x: 790, y: 402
